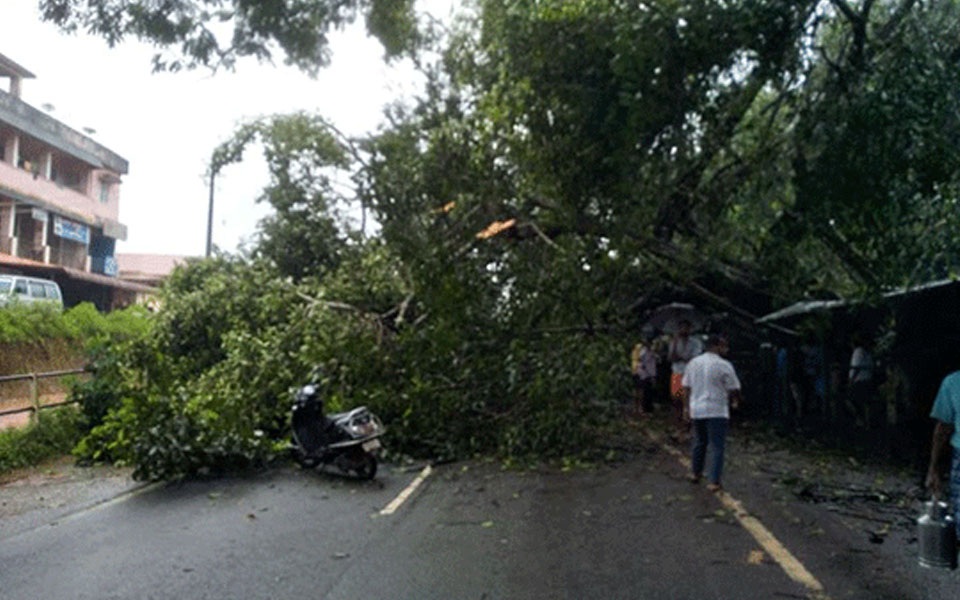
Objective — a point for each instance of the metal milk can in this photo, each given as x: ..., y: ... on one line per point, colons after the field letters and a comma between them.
x: 937, y: 532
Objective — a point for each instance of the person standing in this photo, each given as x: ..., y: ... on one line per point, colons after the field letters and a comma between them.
x: 710, y: 386
x: 683, y: 347
x: 946, y: 434
x: 643, y: 366
x: 862, y: 392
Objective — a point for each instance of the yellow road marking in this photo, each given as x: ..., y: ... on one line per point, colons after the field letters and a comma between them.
x: 787, y: 561
x: 410, y: 489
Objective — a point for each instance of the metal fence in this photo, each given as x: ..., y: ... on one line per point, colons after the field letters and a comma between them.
x: 34, y: 379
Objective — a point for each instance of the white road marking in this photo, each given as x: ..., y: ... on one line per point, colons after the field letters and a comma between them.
x: 143, y: 488
x: 787, y: 561
x: 406, y: 493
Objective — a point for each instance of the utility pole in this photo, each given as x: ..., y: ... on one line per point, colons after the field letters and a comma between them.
x: 213, y: 176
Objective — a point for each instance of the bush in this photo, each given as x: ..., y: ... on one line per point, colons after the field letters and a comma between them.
x: 57, y: 432
x: 30, y: 323
x: 111, y: 343
x: 37, y: 322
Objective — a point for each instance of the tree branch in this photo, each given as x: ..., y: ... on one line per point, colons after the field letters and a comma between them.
x: 905, y: 7
x: 844, y: 8
x: 543, y: 236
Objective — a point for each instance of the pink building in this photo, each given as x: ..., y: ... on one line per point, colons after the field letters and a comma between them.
x: 59, y: 201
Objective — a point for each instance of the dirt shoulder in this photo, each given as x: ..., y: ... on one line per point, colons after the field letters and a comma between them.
x: 43, y: 494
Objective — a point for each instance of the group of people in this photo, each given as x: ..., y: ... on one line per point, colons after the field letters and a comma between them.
x: 703, y: 387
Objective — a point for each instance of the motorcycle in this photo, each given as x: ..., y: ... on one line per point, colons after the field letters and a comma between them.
x: 348, y: 440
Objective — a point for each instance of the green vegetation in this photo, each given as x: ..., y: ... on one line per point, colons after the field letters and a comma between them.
x: 566, y: 165
x: 299, y: 28
x: 20, y: 323
x: 56, y: 434
x: 207, y: 389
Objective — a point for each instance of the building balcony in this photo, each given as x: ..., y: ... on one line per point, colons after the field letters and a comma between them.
x: 26, y: 186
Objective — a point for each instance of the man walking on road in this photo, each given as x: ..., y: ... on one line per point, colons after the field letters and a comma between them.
x: 710, y: 385
x: 946, y: 411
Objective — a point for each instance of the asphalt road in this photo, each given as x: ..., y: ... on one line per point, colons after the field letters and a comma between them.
x: 471, y: 531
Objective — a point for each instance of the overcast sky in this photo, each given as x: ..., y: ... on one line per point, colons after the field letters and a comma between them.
x: 166, y: 125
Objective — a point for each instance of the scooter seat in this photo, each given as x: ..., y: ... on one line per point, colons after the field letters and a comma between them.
x: 337, y: 416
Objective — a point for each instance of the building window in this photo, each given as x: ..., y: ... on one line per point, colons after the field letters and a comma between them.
x: 104, y: 192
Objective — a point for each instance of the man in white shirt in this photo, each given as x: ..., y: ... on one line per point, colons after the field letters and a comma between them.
x: 710, y: 385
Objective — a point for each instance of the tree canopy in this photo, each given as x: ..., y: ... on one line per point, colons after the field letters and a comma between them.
x: 215, y: 33
x: 567, y: 165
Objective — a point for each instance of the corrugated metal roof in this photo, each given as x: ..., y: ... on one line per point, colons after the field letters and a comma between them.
x: 810, y: 306
x: 800, y: 308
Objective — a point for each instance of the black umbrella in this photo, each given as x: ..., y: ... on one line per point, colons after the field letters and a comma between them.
x: 667, y: 317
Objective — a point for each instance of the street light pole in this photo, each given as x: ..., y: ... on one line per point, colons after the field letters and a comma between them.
x: 213, y: 176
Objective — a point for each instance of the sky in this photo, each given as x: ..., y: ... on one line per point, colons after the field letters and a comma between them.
x: 167, y: 124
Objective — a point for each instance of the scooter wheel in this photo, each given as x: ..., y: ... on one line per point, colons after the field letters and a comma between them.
x: 307, y: 462
x: 367, y: 467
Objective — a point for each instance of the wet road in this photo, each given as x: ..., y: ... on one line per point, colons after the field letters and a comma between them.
x: 470, y: 531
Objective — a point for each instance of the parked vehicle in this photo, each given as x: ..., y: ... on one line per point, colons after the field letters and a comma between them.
x: 349, y: 440
x: 29, y: 290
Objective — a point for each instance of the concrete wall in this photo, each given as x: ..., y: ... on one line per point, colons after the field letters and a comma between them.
x: 27, y: 184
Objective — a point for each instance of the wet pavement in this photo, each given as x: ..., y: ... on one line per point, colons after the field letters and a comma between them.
x: 631, y: 528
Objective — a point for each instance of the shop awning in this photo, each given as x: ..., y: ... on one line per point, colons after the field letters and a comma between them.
x: 28, y: 266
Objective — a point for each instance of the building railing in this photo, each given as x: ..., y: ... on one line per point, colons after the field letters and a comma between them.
x: 34, y: 379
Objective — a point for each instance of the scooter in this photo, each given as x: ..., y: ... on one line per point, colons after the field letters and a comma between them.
x: 349, y: 440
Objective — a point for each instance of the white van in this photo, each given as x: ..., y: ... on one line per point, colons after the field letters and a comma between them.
x: 19, y: 288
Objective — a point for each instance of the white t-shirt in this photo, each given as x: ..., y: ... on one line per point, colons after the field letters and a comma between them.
x: 861, y: 366
x: 710, y: 379
x: 685, y: 350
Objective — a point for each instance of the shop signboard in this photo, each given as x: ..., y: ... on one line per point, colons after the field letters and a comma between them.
x: 69, y: 230
x: 110, y: 267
